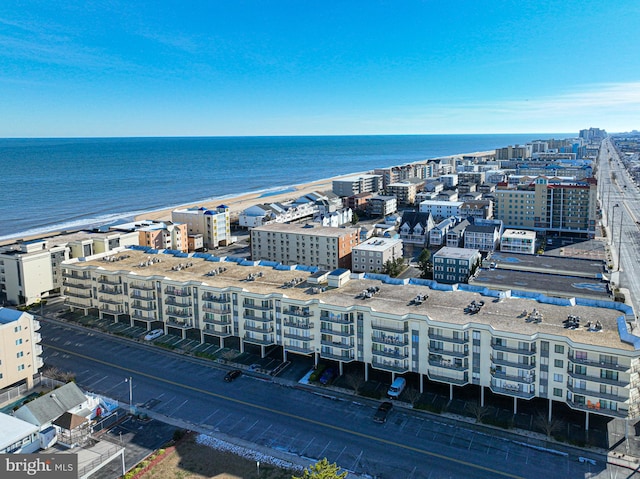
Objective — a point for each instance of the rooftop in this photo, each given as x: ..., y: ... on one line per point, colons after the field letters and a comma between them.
x: 445, y: 306
x: 13, y: 429
x: 306, y: 229
x: 377, y: 244
x: 8, y: 315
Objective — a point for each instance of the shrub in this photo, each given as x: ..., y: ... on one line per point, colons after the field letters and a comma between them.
x: 371, y: 393
x: 318, y: 372
x: 427, y: 406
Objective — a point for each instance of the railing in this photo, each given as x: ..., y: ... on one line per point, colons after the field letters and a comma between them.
x: 390, y: 354
x: 214, y: 298
x: 78, y: 295
x: 149, y: 307
x: 176, y: 292
x: 459, y: 379
x: 260, y: 307
x: 136, y: 295
x: 511, y: 364
x: 448, y: 339
x: 525, y: 352
x: 443, y: 363
x: 253, y: 317
x: 512, y: 391
x: 299, y: 349
x: 335, y: 332
x: 300, y: 337
x: 298, y: 324
x: 591, y: 407
x: 395, y: 366
x: 178, y: 313
x: 216, y: 320
x: 220, y: 333
x: 217, y: 310
x: 509, y: 377
x: 109, y: 300
x: 259, y: 329
x: 390, y: 329
x: 106, y: 280
x: 142, y: 287
x: 334, y: 318
x: 175, y: 302
x: 69, y: 284
x: 141, y: 316
x: 598, y: 379
x: 68, y: 302
x: 298, y: 312
x: 179, y: 324
x: 598, y: 364
x: 447, y: 352
x: 389, y: 340
x: 336, y: 345
x: 337, y: 357
x: 596, y: 394
x: 113, y: 291
x: 250, y: 339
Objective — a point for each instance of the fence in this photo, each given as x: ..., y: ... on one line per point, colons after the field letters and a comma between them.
x: 21, y: 391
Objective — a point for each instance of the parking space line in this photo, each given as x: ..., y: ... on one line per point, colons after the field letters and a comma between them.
x: 209, y: 416
x: 221, y: 420
x: 307, y: 446
x: 343, y: 449
x: 325, y: 448
x: 258, y: 436
x: 176, y: 409
x: 253, y: 425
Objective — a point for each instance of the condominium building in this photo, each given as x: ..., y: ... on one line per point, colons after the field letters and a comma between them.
x: 213, y: 225
x: 454, y: 265
x: 164, y: 235
x: 560, y: 205
x: 441, y: 209
x: 515, y: 347
x: 404, y: 192
x: 353, y: 185
x: 313, y: 245
x: 518, y: 241
x: 371, y: 255
x: 510, y: 152
x: 20, y: 351
x: 30, y: 270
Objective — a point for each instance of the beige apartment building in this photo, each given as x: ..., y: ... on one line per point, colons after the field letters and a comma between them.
x: 502, y: 345
x: 213, y: 225
x: 405, y: 192
x: 20, y: 351
x: 165, y: 235
x: 310, y: 244
x: 30, y: 270
x: 559, y: 206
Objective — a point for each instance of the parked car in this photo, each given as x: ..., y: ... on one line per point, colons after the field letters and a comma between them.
x: 383, y: 411
x: 396, y: 388
x: 327, y: 376
x: 231, y: 375
x: 151, y: 335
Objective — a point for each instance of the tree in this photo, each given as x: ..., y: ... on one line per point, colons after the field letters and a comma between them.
x: 413, y: 395
x: 425, y: 265
x: 542, y: 422
x: 477, y: 411
x: 355, y: 218
x: 322, y: 470
x: 393, y: 267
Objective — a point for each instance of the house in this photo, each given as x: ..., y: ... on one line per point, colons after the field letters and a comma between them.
x: 438, y: 234
x: 455, y: 235
x: 482, y: 237
x: 17, y: 436
x: 441, y: 209
x: 415, y: 227
x: 478, y: 209
x: 518, y: 241
x: 454, y: 265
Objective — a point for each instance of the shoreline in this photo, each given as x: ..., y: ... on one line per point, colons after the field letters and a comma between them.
x: 236, y: 202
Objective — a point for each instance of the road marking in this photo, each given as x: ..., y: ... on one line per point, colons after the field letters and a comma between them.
x: 307, y: 446
x: 176, y: 409
x: 253, y: 425
x: 293, y: 416
x: 325, y: 448
x: 209, y: 416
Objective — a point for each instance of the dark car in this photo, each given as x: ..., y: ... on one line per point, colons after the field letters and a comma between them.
x: 382, y: 412
x: 327, y: 376
x: 231, y: 375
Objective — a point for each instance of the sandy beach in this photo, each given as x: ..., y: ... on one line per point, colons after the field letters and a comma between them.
x: 239, y: 203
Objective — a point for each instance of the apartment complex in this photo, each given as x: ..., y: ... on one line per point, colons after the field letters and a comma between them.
x: 515, y: 347
x: 213, y: 225
x: 453, y: 265
x: 312, y: 245
x: 353, y: 185
x: 441, y: 209
x: 404, y: 192
x: 30, y: 270
x: 20, y: 351
x: 518, y: 241
x: 164, y: 235
x: 559, y: 206
x: 371, y: 255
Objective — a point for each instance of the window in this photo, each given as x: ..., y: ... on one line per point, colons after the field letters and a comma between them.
x: 17, y: 329
x: 21, y: 367
x: 606, y: 374
x: 557, y: 392
x: 557, y: 378
x: 558, y: 363
x: 19, y: 354
x: 18, y: 342
x: 559, y: 349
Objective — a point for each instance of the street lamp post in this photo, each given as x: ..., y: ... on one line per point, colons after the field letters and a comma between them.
x: 613, y: 224
x: 620, y: 238
x: 130, y: 381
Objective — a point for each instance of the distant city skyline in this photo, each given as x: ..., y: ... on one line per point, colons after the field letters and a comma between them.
x: 211, y: 68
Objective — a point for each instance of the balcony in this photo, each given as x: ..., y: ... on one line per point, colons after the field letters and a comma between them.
x: 596, y: 394
x: 36, y: 325
x: 448, y: 339
x: 263, y: 342
x: 340, y: 345
x: 78, y: 295
x: 394, y: 341
x: 298, y: 312
x: 149, y: 307
x: 179, y: 313
x: 390, y: 353
x: 184, y: 304
x: 216, y: 320
x: 506, y: 349
x: 75, y: 275
x: 347, y: 358
x: 443, y: 363
x: 334, y: 318
x: 400, y: 328
x: 143, y: 317
x: 298, y: 324
x: 77, y: 304
x: 37, y: 337
x: 336, y: 332
x: 111, y: 310
x: 446, y: 352
x: 72, y: 284
x: 512, y: 390
x: 141, y: 287
x: 111, y: 281
x: 179, y: 324
x: 298, y: 336
x: 395, y: 366
x: 217, y: 309
x: 257, y: 306
x: 591, y: 407
x: 518, y: 379
x: 258, y: 329
x: 597, y: 379
x: 215, y: 299
x: 298, y: 349
x: 108, y: 300
x: 37, y: 350
x: 511, y: 364
x: 457, y: 379
x: 177, y: 292
x: 140, y: 297
x: 597, y: 364
x: 223, y: 332
x: 253, y: 317
x: 113, y: 291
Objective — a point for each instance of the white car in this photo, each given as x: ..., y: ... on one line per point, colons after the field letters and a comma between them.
x: 151, y: 335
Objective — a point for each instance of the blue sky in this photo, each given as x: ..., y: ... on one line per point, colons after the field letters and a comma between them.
x: 240, y: 67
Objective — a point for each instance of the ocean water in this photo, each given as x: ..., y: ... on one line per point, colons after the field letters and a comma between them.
x: 59, y: 184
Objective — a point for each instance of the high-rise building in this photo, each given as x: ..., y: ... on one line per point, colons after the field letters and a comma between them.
x: 20, y: 351
x: 213, y: 225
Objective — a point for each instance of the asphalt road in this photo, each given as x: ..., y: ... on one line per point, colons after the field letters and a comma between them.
x: 298, y: 421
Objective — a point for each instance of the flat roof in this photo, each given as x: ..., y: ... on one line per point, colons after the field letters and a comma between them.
x: 377, y: 244
x: 459, y: 253
x: 515, y: 233
x: 13, y: 429
x: 444, y: 306
x: 309, y: 229
x: 548, y: 264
